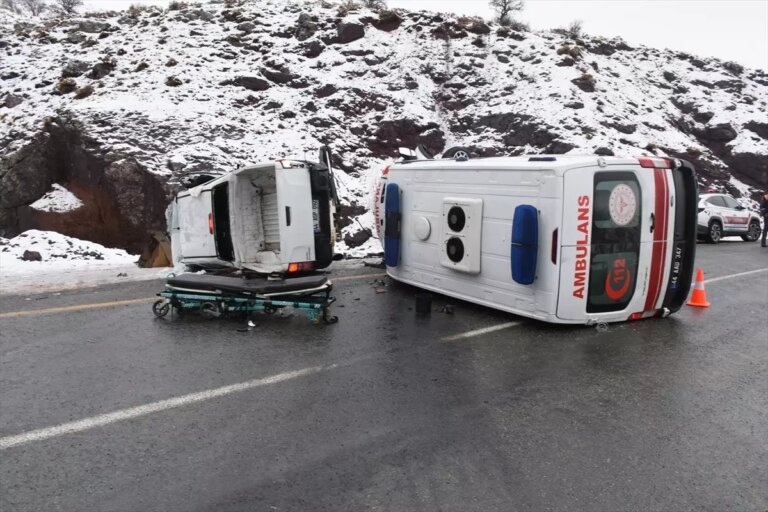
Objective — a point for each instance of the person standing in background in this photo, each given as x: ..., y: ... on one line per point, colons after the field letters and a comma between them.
x: 764, y: 213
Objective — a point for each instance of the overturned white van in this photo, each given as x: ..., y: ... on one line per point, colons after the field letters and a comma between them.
x: 565, y: 239
x: 273, y: 217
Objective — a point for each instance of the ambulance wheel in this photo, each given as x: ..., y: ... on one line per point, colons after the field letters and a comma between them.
x: 457, y: 152
x: 161, y: 308
x: 715, y: 232
x: 753, y: 233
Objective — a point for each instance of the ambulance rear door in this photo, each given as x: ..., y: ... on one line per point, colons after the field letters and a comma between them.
x: 606, y: 243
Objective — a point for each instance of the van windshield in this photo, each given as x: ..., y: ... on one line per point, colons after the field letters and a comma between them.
x: 615, y: 241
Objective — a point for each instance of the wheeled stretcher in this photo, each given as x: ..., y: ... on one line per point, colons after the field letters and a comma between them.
x: 216, y: 296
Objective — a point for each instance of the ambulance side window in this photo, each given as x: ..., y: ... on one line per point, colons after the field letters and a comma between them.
x: 616, y: 238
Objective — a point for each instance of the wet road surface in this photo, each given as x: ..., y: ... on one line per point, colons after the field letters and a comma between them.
x: 389, y: 411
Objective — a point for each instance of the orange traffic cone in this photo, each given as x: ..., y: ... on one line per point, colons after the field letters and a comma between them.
x: 699, y: 296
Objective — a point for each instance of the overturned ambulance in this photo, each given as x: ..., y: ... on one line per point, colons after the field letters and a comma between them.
x: 274, y: 217
x: 564, y: 239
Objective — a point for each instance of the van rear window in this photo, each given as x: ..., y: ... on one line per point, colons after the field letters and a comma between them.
x: 615, y: 241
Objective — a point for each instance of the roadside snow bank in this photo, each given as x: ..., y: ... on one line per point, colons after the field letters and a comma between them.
x: 65, y: 263
x: 56, y: 251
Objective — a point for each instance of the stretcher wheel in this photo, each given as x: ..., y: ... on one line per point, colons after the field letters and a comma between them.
x: 329, y: 319
x: 210, y: 310
x: 161, y: 308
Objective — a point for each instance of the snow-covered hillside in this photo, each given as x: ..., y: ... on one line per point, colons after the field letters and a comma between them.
x: 115, y: 108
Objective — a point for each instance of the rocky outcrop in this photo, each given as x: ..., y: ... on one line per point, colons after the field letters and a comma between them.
x: 122, y: 201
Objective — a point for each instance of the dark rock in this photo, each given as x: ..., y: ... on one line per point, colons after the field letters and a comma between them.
x: 348, y: 32
x: 84, y: 92
x: 759, y: 128
x: 312, y: 49
x: 234, y: 40
x: 65, y: 86
x: 251, y: 83
x: 559, y: 147
x: 393, y: 134
x: 686, y: 107
x: 566, y: 61
x: 723, y: 132
x: 478, y: 27
x: 622, y: 127
x: 93, y: 26
x: 12, y: 100
x: 358, y: 238
x: 305, y: 27
x: 102, y: 69
x: 411, y: 84
x: 749, y: 167
x: 601, y: 46
x: 10, y: 75
x: 388, y: 21
x: 603, y: 151
x: 698, y: 63
x: 74, y: 68
x: 246, y: 27
x: 503, y: 59
x: 669, y: 76
x: 325, y: 91
x: 574, y: 105
x: 585, y: 82
x: 309, y: 107
x: 76, y: 37
x: 141, y: 67
x: 703, y: 117
x: 278, y: 76
x: 173, y: 81
x: 234, y: 15
x: 31, y: 256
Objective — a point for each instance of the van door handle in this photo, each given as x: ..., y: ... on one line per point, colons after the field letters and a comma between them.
x: 653, y: 222
x: 287, y: 215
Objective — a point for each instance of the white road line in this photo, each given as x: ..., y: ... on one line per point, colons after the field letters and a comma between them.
x: 479, y: 332
x: 144, y: 410
x: 715, y: 279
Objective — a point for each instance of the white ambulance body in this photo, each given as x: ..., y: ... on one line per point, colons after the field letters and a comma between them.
x: 564, y: 239
x: 271, y: 217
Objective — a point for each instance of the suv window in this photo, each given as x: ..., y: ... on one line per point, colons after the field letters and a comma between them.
x: 716, y: 201
x: 730, y: 202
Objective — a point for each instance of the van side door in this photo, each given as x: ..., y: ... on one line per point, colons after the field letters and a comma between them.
x: 195, y: 218
x: 295, y: 212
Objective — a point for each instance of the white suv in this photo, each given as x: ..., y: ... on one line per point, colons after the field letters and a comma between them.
x: 721, y: 215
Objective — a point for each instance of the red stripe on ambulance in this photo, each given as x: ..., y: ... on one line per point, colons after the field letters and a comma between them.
x: 660, y: 232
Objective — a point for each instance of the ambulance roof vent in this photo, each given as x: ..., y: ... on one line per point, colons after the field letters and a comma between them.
x: 542, y: 159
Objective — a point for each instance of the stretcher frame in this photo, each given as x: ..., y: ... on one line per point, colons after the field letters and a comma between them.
x: 315, y: 302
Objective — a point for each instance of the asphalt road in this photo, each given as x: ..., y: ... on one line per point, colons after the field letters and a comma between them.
x: 381, y: 412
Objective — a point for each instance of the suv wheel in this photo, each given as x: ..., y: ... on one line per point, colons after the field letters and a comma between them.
x: 715, y: 232
x: 753, y: 233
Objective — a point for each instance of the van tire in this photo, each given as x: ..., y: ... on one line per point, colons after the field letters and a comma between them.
x: 457, y: 152
x: 715, y: 232
x: 753, y: 233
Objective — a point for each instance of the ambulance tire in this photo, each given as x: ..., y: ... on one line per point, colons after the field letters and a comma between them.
x: 457, y: 152
x: 715, y: 232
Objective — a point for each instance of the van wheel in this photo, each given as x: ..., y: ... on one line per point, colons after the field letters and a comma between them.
x: 715, y: 232
x: 753, y: 233
x: 457, y: 152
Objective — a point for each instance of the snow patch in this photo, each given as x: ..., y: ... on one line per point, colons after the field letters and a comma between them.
x: 57, y: 200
